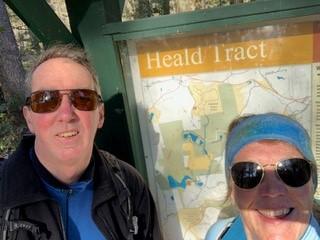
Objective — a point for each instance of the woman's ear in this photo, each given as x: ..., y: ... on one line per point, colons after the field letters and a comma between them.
x: 230, y: 193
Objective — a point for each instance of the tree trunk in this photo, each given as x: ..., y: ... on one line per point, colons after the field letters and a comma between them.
x: 11, y: 69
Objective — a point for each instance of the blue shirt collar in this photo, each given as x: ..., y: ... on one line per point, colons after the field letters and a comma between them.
x: 237, y: 231
x: 46, y: 176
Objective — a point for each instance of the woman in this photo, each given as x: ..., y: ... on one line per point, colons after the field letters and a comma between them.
x: 272, y: 177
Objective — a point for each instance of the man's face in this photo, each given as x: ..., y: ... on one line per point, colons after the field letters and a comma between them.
x: 66, y: 135
x: 272, y: 210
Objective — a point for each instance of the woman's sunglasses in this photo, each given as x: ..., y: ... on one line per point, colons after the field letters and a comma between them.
x: 46, y: 101
x: 294, y: 172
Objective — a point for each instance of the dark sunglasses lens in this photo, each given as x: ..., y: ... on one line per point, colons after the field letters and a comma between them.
x: 44, y: 101
x: 85, y: 99
x: 294, y: 172
x: 246, y: 175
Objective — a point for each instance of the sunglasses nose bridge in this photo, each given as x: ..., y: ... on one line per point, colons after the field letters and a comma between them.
x: 271, y: 183
x: 270, y: 169
x: 69, y: 95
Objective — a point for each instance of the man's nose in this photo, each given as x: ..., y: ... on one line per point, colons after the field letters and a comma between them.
x: 66, y: 109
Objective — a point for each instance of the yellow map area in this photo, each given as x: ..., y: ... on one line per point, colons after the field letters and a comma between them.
x: 207, y: 98
x: 195, y: 161
x: 239, y: 94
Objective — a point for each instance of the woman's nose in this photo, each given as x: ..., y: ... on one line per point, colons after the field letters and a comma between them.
x: 271, y: 185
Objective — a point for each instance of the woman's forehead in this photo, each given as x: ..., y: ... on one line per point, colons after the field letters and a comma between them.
x: 265, y: 148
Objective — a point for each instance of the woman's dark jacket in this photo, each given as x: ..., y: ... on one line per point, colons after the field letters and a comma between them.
x: 122, y: 206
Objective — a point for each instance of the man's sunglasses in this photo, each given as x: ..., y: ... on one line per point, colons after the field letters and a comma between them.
x: 294, y: 172
x: 46, y: 101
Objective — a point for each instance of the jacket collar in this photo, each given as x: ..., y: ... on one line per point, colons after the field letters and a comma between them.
x: 46, y: 176
x: 20, y: 181
x: 106, y: 184
x: 22, y: 184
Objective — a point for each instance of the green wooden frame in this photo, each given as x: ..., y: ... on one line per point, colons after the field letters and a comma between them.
x: 218, y: 19
x: 42, y: 20
x: 96, y: 24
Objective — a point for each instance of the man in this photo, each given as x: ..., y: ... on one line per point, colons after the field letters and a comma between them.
x: 57, y: 184
x: 272, y: 177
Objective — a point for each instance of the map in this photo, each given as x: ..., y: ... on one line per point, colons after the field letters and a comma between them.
x: 184, y: 121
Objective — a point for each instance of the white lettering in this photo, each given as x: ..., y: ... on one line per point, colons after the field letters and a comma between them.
x: 217, y: 54
x: 262, y: 48
x: 228, y: 54
x: 239, y: 53
x: 196, y: 57
x: 186, y: 56
x: 156, y: 59
x: 250, y: 54
x: 167, y: 60
x: 177, y: 60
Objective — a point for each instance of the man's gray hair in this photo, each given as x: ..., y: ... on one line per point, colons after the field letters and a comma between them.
x: 69, y: 51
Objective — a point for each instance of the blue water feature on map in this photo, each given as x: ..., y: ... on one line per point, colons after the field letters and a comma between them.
x: 187, y: 135
x: 199, y: 183
x: 173, y: 183
x: 151, y: 115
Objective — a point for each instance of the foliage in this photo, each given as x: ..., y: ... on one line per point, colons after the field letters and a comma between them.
x: 12, y: 93
x: 135, y: 9
x: 10, y: 128
x: 10, y: 132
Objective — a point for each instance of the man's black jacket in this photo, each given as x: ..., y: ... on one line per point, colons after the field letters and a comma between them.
x: 122, y: 207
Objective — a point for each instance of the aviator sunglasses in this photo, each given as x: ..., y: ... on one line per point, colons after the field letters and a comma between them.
x: 46, y: 101
x: 294, y: 172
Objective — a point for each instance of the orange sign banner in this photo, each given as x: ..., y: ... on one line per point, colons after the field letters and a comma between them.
x: 260, y: 47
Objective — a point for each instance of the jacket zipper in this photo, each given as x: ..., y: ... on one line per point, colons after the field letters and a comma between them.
x: 68, y: 192
x: 7, y: 215
x: 61, y: 223
x: 62, y: 226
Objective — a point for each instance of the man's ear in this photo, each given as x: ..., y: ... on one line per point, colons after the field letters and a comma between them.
x: 26, y: 113
x: 101, y: 115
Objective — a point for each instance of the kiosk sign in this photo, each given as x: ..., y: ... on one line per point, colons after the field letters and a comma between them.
x: 189, y: 88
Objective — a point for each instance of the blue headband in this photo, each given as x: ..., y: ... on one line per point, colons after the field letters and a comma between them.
x: 268, y: 126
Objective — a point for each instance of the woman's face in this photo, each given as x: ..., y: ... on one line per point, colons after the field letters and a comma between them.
x: 272, y: 210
